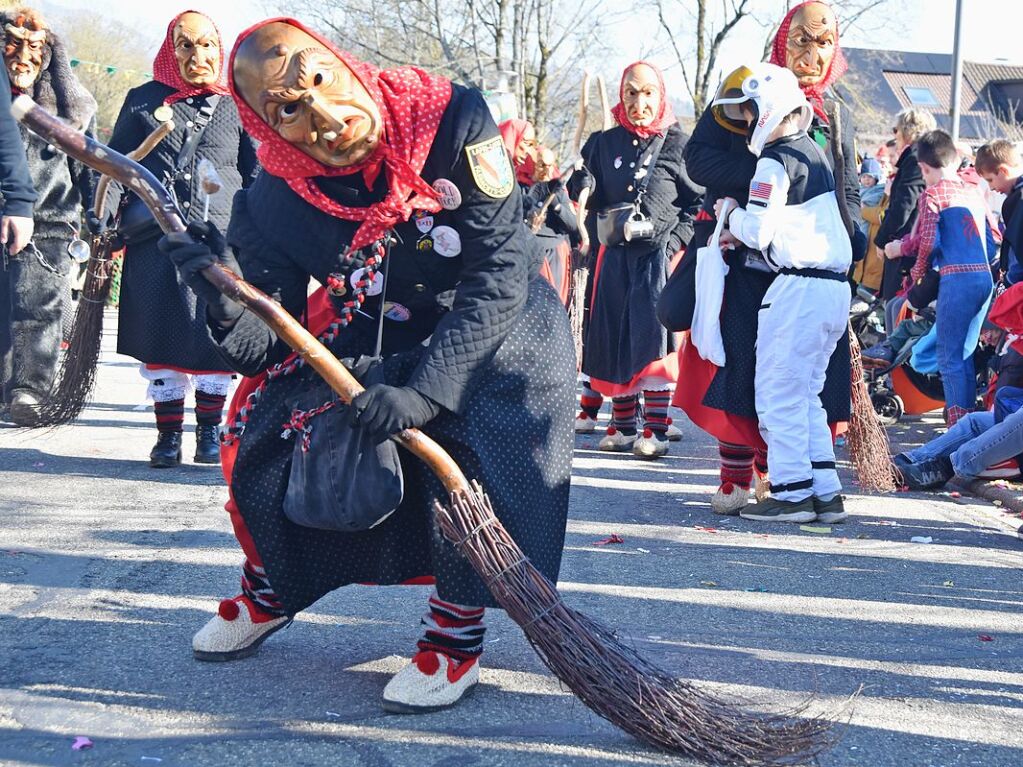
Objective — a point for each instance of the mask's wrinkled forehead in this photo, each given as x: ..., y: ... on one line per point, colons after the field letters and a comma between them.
x: 815, y: 20
x: 16, y: 33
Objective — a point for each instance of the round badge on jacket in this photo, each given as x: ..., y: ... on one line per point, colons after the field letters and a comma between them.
x: 446, y: 241
x: 448, y: 194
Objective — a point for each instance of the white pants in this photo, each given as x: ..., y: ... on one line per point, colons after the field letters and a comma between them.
x: 800, y: 324
x: 166, y: 385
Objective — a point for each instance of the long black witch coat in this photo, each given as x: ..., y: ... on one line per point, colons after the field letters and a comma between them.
x: 479, y: 332
x: 623, y: 335
x: 721, y: 161
x: 159, y: 321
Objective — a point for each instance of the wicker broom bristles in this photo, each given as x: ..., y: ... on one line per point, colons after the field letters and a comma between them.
x: 868, y: 442
x: 610, y: 677
x: 76, y: 376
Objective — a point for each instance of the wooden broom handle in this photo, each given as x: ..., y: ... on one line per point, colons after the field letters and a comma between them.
x: 605, y: 107
x: 147, y: 146
x: 144, y: 184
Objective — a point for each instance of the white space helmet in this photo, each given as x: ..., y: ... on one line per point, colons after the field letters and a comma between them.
x: 772, y: 92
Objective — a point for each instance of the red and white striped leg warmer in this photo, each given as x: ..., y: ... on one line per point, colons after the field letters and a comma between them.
x: 452, y: 630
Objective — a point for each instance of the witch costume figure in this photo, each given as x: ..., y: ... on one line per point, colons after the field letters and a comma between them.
x: 546, y: 207
x: 34, y: 285
x: 159, y: 321
x: 721, y: 400
x: 640, y: 195
x: 466, y: 339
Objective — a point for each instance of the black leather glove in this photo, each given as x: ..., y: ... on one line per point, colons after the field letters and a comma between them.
x: 384, y: 410
x: 200, y: 246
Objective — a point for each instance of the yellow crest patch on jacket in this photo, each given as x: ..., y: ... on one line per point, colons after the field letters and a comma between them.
x: 491, y: 168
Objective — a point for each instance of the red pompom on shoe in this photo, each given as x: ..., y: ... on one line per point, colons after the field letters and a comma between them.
x: 427, y: 662
x: 648, y: 433
x: 611, y: 431
x: 228, y: 609
x: 727, y: 488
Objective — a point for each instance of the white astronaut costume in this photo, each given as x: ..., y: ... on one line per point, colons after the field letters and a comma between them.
x: 793, y: 219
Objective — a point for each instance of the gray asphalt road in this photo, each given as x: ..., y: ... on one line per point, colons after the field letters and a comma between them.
x: 107, y: 568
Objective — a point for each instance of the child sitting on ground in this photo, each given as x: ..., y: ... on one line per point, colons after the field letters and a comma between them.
x: 952, y: 235
x: 793, y: 218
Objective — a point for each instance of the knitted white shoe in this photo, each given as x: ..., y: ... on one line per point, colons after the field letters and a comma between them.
x: 674, y: 433
x: 234, y: 632
x: 584, y: 424
x: 616, y: 442
x: 430, y: 682
x: 649, y: 447
x: 729, y: 500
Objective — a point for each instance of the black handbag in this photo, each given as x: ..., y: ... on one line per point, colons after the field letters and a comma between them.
x: 135, y: 220
x: 341, y: 479
x: 614, y: 221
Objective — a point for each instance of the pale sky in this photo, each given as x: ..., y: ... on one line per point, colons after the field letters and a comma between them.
x: 992, y: 29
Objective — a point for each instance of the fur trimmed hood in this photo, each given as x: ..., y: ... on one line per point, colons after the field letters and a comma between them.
x: 58, y: 89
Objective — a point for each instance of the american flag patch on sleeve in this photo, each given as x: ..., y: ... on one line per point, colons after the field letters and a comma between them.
x: 760, y: 193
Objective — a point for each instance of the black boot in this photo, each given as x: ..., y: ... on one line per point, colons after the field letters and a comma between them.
x: 207, y: 443
x: 166, y: 453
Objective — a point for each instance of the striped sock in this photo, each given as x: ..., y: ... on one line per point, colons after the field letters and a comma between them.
x: 623, y: 413
x: 170, y: 415
x: 209, y: 408
x: 452, y: 630
x: 760, y: 461
x: 590, y: 401
x: 257, y: 588
x: 655, y: 412
x: 736, y: 465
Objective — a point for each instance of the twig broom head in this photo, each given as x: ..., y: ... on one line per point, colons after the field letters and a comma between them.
x: 76, y: 376
x: 608, y: 676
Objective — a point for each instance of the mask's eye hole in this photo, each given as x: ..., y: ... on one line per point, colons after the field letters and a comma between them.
x: 290, y: 110
x: 318, y: 79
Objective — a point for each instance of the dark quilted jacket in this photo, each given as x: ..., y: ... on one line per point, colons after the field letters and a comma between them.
x: 223, y: 143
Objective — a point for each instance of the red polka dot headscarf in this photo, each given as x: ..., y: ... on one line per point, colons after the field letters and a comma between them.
x: 814, y: 93
x: 665, y: 117
x: 411, y: 103
x: 167, y: 71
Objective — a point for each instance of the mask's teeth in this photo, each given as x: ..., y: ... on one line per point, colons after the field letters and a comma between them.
x: 330, y: 135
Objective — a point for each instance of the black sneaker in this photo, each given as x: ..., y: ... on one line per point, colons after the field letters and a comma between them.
x: 207, y: 443
x: 901, y: 460
x: 830, y: 512
x: 775, y: 510
x: 166, y: 453
x: 928, y: 475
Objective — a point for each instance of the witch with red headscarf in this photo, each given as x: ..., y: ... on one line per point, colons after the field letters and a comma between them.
x: 721, y: 400
x: 546, y: 206
x: 393, y: 190
x: 643, y: 200
x: 159, y: 321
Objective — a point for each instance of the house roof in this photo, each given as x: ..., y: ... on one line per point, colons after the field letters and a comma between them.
x: 881, y: 78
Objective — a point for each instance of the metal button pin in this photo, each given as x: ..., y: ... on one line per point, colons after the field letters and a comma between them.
x: 188, y: 100
x: 187, y: 177
x: 189, y: 124
x: 419, y: 287
x: 635, y: 142
x: 629, y: 188
x: 186, y: 204
x: 632, y: 165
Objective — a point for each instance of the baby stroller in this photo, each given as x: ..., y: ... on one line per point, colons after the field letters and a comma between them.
x: 898, y: 388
